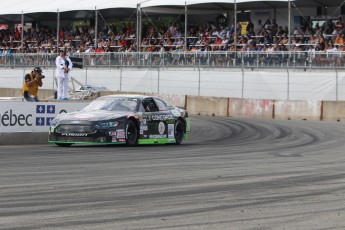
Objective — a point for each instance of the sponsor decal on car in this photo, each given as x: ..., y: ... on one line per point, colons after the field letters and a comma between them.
x: 158, y: 136
x: 170, y: 121
x: 187, y: 125
x: 161, y: 128
x: 144, y: 128
x: 74, y: 134
x: 158, y: 117
x: 121, y: 133
x: 112, y: 133
x: 171, y: 128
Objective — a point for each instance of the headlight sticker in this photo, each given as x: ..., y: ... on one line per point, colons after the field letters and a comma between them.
x: 176, y: 113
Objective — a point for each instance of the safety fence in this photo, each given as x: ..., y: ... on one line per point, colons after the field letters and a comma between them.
x: 276, y: 84
x: 202, y: 59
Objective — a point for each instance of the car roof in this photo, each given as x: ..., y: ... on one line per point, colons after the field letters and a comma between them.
x: 128, y: 96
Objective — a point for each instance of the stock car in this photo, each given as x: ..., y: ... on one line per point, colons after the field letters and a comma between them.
x: 122, y: 119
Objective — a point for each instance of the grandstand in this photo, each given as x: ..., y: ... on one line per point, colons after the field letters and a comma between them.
x: 259, y: 34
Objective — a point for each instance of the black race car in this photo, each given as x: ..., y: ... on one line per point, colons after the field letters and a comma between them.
x: 122, y: 119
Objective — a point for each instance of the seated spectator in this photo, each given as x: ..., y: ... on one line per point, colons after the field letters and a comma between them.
x: 178, y: 34
x: 280, y: 31
x: 339, y: 39
x: 330, y: 27
x: 172, y: 30
x: 250, y: 32
x: 340, y: 25
x: 199, y: 41
x: 179, y: 43
x: 217, y: 41
x: 167, y: 42
x: 284, y: 40
x: 225, y: 40
x: 268, y: 26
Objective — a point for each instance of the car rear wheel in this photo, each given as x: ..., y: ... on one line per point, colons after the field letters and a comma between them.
x: 63, y: 144
x: 179, y: 132
x: 131, y: 133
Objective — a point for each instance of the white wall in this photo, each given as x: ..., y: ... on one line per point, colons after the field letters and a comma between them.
x: 258, y: 84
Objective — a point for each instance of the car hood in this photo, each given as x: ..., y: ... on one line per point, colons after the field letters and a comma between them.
x: 97, y: 115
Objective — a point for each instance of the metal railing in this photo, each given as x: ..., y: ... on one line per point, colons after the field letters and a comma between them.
x: 221, y: 59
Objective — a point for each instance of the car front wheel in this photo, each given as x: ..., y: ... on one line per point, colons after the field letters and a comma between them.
x: 179, y: 131
x: 131, y: 133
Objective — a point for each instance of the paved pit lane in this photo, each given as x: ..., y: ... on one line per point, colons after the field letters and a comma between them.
x: 231, y: 174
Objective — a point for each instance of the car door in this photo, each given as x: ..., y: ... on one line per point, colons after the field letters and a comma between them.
x: 156, y: 120
x: 168, y: 118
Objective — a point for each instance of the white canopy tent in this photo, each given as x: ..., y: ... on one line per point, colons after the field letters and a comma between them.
x: 194, y: 2
x: 37, y: 6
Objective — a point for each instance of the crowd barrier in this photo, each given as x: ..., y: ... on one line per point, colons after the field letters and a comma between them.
x: 205, y: 59
x: 28, y: 123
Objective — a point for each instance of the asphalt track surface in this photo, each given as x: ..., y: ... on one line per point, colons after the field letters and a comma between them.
x: 231, y: 174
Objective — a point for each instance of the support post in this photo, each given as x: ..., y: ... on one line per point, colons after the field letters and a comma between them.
x: 235, y: 31
x: 22, y: 31
x: 289, y: 25
x: 185, y: 25
x: 58, y: 31
x: 96, y: 26
x: 138, y: 27
x: 235, y: 24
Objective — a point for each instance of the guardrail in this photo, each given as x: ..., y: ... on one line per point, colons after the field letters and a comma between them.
x: 214, y: 59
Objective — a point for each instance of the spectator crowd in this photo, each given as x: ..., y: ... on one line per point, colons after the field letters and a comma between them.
x: 264, y: 36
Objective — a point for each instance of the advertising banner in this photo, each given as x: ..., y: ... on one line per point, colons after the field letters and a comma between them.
x: 32, y: 117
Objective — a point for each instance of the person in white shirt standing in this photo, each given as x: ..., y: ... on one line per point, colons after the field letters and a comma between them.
x: 63, y: 68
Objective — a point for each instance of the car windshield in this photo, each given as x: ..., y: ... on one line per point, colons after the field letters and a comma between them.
x: 113, y: 104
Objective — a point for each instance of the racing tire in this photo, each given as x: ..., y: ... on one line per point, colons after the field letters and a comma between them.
x: 63, y: 144
x: 179, y: 132
x: 131, y: 133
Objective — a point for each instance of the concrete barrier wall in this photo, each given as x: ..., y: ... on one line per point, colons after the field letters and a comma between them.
x: 333, y: 111
x: 268, y: 109
x: 251, y: 108
x: 297, y: 110
x: 207, y: 105
x: 23, y: 138
x: 42, y: 93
